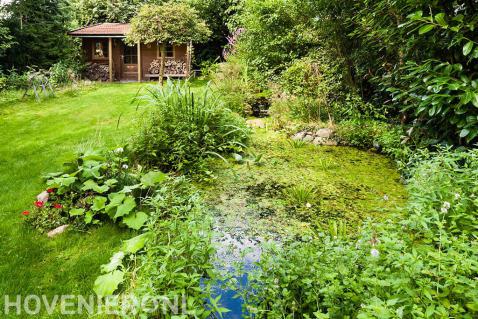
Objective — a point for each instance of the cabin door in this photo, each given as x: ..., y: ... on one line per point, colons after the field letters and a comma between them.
x: 129, y: 63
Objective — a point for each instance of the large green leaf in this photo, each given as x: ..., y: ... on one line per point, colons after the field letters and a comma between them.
x: 115, y: 200
x: 136, y: 220
x: 468, y: 47
x: 106, y: 285
x: 124, y: 209
x: 99, y: 203
x: 426, y: 28
x: 153, y: 178
x: 440, y: 18
x: 92, y: 185
x: 77, y: 212
x: 89, y: 217
x: 134, y: 244
x: 114, y: 263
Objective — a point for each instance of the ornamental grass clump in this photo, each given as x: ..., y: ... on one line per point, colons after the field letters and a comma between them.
x: 182, y: 129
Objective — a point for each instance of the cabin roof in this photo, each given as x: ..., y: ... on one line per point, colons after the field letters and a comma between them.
x: 113, y: 30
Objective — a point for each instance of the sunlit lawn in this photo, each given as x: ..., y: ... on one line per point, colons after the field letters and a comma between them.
x: 36, y: 138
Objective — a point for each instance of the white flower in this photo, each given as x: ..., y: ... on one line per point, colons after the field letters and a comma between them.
x: 119, y: 150
x: 374, y: 252
x: 385, y: 197
x: 125, y: 166
x: 457, y: 196
x: 445, y: 207
x: 308, y: 205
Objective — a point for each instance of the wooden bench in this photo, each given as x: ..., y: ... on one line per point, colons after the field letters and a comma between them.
x: 156, y: 76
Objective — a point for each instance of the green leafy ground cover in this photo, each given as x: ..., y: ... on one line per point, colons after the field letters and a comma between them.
x: 288, y: 189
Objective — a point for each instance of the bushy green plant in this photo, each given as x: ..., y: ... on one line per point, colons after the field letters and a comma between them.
x: 316, y: 82
x: 63, y: 73
x: 182, y: 129
x: 16, y: 81
x: 94, y: 188
x: 232, y: 82
x: 171, y: 259
x: 360, y: 133
x: 419, y: 264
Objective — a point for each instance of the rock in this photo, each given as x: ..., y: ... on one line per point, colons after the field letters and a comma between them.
x: 43, y: 197
x: 57, y: 231
x: 325, y: 133
x: 258, y: 123
x: 318, y: 141
x: 299, y: 136
x: 308, y: 138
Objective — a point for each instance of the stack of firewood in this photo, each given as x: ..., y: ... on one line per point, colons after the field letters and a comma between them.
x: 97, y: 72
x: 155, y: 67
x: 170, y: 67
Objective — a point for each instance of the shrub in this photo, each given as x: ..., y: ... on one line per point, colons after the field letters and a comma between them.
x: 16, y: 81
x: 172, y: 258
x: 405, y: 267
x: 360, y: 133
x: 63, y: 73
x: 183, y: 129
x: 231, y: 81
x: 95, y: 188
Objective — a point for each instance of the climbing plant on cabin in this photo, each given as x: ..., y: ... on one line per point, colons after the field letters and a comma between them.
x: 175, y: 23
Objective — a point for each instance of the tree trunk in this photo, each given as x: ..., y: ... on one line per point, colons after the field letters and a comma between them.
x: 163, y: 61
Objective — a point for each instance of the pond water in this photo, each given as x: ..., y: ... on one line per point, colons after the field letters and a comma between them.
x: 234, y: 250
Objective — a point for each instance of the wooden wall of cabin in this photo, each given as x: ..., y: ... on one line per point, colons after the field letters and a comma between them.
x: 87, y: 46
x: 149, y: 52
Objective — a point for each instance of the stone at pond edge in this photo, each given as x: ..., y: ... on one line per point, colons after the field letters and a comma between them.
x: 325, y: 133
x: 308, y: 138
x: 299, y: 136
x: 57, y: 231
x: 324, y: 136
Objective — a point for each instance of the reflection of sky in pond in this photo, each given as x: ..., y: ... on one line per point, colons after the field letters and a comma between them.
x: 233, y: 247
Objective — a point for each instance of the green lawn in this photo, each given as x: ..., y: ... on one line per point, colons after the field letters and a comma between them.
x: 37, y: 138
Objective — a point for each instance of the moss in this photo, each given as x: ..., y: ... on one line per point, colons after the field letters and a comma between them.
x: 349, y: 184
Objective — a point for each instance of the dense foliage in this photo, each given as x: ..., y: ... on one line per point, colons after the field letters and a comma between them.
x: 37, y: 34
x: 182, y: 129
x: 423, y: 265
x: 410, y: 57
x: 95, y: 188
x: 169, y: 259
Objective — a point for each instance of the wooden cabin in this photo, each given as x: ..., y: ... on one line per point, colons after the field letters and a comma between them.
x: 104, y: 48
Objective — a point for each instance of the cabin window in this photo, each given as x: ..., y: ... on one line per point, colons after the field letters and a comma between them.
x: 130, y: 55
x: 100, y: 49
x: 169, y: 51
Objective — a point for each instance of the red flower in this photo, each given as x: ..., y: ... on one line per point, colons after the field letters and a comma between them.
x: 50, y: 190
x: 39, y: 204
x: 26, y: 213
x: 58, y: 206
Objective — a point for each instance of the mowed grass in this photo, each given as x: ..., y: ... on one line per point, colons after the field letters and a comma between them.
x: 36, y: 138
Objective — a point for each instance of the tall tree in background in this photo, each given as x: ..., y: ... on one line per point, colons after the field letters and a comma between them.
x: 87, y: 12
x: 175, y: 23
x: 39, y: 29
x: 217, y: 14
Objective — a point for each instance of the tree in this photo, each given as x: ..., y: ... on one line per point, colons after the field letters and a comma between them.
x: 6, y: 41
x: 39, y: 27
x: 175, y: 23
